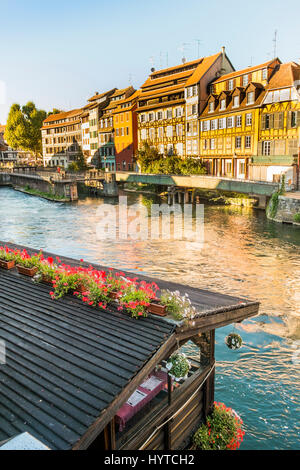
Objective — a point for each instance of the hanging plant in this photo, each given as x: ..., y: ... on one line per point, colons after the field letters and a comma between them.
x: 178, y: 366
x: 234, y: 341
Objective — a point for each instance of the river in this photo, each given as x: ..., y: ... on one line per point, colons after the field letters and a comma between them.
x: 243, y: 254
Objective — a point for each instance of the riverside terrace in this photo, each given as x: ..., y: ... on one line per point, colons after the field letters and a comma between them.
x: 76, y: 377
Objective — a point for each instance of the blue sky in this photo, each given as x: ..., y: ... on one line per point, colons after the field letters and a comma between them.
x: 58, y: 53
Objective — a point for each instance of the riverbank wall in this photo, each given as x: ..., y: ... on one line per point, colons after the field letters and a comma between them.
x: 60, y: 189
x: 285, y: 209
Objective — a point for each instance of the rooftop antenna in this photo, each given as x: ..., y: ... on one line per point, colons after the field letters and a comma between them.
x: 199, y: 43
x: 151, y: 60
x: 275, y: 43
x: 182, y: 49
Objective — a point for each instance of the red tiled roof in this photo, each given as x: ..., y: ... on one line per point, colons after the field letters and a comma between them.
x: 101, y: 95
x: 64, y: 115
x: 285, y: 76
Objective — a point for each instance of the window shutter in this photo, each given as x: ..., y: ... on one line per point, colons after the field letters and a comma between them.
x: 259, y: 148
x: 298, y: 119
x: 263, y: 122
x: 289, y: 123
x: 272, y: 147
x: 271, y: 121
x: 281, y: 121
x: 276, y: 120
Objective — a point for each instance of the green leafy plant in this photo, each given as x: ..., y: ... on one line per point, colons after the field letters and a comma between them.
x: 6, y: 254
x: 222, y: 431
x: 234, y: 341
x: 180, y: 307
x: 178, y: 366
x: 297, y: 218
x: 27, y: 261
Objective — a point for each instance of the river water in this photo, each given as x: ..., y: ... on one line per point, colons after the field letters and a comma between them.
x: 243, y: 254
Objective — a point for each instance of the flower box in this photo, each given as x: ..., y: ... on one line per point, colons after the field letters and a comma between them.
x: 157, y: 308
x: 47, y: 279
x: 114, y: 295
x: 27, y: 271
x: 7, y: 264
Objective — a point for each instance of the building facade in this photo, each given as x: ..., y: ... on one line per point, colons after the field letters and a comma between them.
x: 229, y: 123
x: 125, y: 125
x: 62, y: 138
x: 106, y: 133
x: 249, y: 128
x: 172, y: 99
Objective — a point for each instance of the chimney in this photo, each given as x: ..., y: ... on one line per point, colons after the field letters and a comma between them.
x: 183, y: 60
x: 223, y: 69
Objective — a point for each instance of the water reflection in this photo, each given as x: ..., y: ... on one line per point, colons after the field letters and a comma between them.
x: 244, y: 254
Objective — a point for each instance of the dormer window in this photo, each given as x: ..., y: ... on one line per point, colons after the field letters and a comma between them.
x: 223, y: 105
x: 230, y: 85
x: 245, y: 80
x: 211, y: 107
x: 265, y: 74
x: 250, y: 97
x: 236, y: 101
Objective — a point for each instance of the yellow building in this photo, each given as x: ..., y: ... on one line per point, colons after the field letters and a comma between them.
x: 230, y: 121
x: 171, y: 101
x: 279, y: 132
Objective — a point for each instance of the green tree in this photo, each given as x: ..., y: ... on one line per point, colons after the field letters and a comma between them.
x: 147, y: 156
x: 23, y: 128
x: 79, y: 164
x: 54, y: 111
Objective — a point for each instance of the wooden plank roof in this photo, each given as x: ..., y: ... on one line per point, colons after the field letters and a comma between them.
x: 68, y: 364
x: 65, y: 362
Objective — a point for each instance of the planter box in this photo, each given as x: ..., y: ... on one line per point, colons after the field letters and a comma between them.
x: 157, y: 309
x: 47, y: 279
x: 27, y: 271
x: 114, y: 295
x: 7, y: 264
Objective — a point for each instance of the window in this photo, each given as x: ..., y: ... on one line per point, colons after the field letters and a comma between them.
x: 238, y: 142
x: 143, y: 118
x: 205, y: 144
x: 169, y: 114
x: 151, y: 117
x: 230, y: 122
x: 194, y: 109
x: 249, y: 119
x: 239, y: 121
x: 250, y: 97
x: 178, y: 112
x: 206, y: 126
x: 160, y: 132
x: 152, y: 133
x: 223, y: 105
x: 214, y: 124
x: 222, y: 123
x: 230, y: 85
x: 144, y: 134
x: 179, y: 130
x: 236, y: 101
x: 245, y: 80
x: 265, y: 74
x: 293, y: 118
x: 211, y: 107
x: 212, y: 144
x: 248, y: 142
x: 169, y: 131
x: 266, y: 148
x: 159, y: 115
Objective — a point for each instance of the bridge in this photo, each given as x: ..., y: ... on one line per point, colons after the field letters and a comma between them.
x: 259, y: 188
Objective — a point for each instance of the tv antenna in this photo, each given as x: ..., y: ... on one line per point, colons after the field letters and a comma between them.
x: 182, y: 49
x: 275, y: 43
x: 151, y: 60
x: 199, y: 43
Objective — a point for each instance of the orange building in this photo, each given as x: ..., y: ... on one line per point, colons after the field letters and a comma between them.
x: 125, y: 125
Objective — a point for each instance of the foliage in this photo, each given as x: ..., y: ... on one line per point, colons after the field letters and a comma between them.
x: 136, y: 297
x: 234, y: 341
x: 151, y: 161
x: 23, y: 128
x: 297, y: 218
x: 178, y: 306
x: 222, y: 431
x: 79, y: 164
x: 24, y: 259
x: 54, y: 111
x: 37, y: 192
x: 6, y: 254
x: 178, y: 366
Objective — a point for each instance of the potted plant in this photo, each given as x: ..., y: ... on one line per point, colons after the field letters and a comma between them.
x: 137, y: 297
x: 47, y: 271
x: 95, y: 295
x: 178, y: 306
x: 7, y: 258
x: 222, y: 431
x: 26, y: 264
x: 178, y: 366
x: 156, y: 308
x: 68, y: 279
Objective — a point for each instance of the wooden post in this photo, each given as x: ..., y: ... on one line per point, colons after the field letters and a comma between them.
x: 167, y: 429
x: 112, y: 431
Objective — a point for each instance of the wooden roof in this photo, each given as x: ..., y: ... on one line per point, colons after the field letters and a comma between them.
x: 69, y: 367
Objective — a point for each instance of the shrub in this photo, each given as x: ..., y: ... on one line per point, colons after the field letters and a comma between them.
x: 297, y: 218
x: 178, y: 306
x: 222, y: 431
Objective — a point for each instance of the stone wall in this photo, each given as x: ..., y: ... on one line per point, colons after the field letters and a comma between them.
x: 288, y: 207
